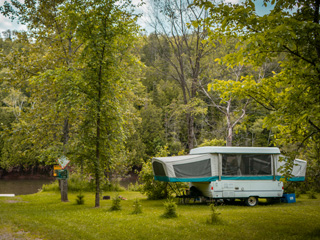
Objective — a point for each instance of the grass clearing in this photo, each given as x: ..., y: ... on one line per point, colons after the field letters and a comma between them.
x: 44, y: 216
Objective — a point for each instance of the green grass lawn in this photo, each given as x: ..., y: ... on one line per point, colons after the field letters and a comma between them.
x: 44, y: 216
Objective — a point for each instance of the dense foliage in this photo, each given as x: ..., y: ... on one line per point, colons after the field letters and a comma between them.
x: 84, y: 82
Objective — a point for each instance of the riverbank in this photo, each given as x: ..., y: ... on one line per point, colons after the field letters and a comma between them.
x: 44, y: 216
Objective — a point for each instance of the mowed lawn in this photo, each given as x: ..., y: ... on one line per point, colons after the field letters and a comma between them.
x: 44, y: 216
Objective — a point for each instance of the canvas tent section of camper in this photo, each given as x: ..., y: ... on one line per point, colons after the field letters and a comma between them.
x: 207, y: 164
x: 298, y: 171
x: 189, y: 168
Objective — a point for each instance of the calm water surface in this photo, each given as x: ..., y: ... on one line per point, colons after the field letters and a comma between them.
x: 21, y: 186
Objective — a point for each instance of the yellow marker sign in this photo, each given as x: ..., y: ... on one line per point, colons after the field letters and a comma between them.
x: 56, y: 168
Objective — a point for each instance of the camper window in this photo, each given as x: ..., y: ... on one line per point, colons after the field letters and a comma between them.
x: 194, y: 169
x: 246, y: 164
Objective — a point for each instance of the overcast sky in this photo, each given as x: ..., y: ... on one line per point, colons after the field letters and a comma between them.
x: 6, y: 23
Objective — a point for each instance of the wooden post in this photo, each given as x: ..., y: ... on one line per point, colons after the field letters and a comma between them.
x: 64, y: 190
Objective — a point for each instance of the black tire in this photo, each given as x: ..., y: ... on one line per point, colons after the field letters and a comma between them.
x: 251, y: 201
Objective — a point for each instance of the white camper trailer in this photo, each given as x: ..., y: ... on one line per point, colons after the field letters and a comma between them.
x: 229, y: 173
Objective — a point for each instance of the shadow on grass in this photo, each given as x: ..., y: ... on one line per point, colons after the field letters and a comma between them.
x: 314, y: 234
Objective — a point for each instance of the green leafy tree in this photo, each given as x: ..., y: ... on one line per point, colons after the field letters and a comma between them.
x: 43, y: 70
x: 107, y: 31
x: 77, y: 72
x: 291, y: 30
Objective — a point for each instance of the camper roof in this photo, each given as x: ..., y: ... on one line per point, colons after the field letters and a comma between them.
x: 179, y: 158
x: 236, y: 150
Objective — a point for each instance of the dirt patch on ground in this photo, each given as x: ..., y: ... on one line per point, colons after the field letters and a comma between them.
x: 8, y: 234
x: 15, y: 201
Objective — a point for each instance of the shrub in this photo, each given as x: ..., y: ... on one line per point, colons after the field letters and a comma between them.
x: 78, y: 182
x: 170, y: 209
x: 214, y: 216
x: 133, y: 187
x: 112, y: 186
x: 312, y: 194
x: 137, y: 207
x: 54, y: 186
x: 213, y: 142
x: 116, y: 203
x: 153, y: 189
x: 80, y: 199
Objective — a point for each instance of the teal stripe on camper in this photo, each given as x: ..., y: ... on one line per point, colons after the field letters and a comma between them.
x: 246, y: 177
x: 167, y: 179
x: 162, y: 178
x: 296, y: 179
x: 215, y: 178
x: 293, y: 179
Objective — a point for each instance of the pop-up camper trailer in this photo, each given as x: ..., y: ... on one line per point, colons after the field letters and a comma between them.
x: 245, y: 173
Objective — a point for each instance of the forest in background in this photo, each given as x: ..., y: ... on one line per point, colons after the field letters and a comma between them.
x: 85, y: 81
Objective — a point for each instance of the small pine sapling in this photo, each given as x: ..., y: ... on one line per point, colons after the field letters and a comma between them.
x: 214, y: 216
x: 80, y: 199
x: 137, y: 207
x: 170, y: 209
x: 116, y: 203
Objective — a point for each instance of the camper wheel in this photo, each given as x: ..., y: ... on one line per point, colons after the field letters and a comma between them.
x: 251, y: 201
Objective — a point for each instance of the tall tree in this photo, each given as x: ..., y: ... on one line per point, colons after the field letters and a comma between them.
x: 77, y: 71
x: 173, y: 29
x: 107, y: 29
x: 291, y: 94
x: 43, y: 68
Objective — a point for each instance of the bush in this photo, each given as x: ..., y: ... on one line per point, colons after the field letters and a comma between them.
x: 214, y: 216
x: 54, y: 186
x: 213, y: 142
x: 170, y: 209
x: 116, y: 203
x: 137, y: 207
x: 111, y: 186
x: 78, y: 182
x: 312, y: 194
x: 80, y: 199
x: 134, y: 187
x: 153, y: 189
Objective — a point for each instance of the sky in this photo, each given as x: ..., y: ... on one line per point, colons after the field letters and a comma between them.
x: 6, y: 23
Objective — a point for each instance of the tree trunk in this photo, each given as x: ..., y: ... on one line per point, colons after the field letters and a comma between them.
x: 97, y: 163
x: 190, y: 120
x: 230, y: 127
x: 229, y: 137
x: 63, y: 183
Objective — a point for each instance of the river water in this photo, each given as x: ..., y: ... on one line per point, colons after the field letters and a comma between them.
x: 22, y: 186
